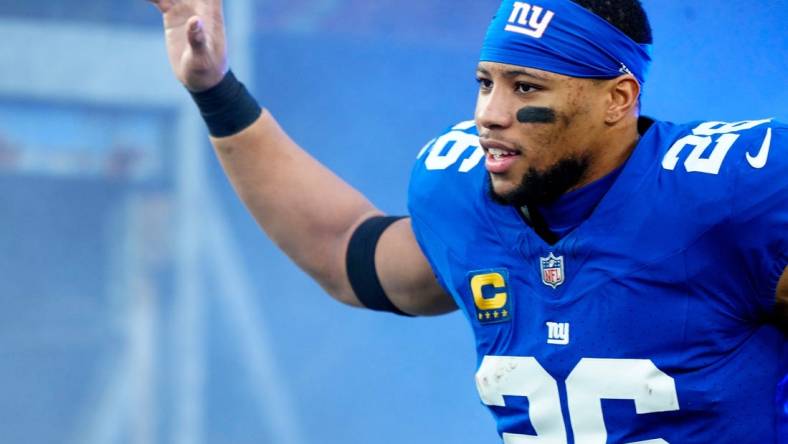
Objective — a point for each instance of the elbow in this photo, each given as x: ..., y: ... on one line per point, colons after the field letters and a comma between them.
x: 347, y: 298
x: 344, y: 295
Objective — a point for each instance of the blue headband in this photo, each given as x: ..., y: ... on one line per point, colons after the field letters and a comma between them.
x: 561, y: 36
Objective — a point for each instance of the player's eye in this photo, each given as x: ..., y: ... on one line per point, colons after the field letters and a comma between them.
x: 525, y: 88
x: 484, y: 84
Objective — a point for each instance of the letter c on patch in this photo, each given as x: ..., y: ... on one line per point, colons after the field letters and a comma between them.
x: 495, y: 280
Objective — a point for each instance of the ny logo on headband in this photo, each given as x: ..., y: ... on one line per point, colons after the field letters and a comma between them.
x: 529, y: 20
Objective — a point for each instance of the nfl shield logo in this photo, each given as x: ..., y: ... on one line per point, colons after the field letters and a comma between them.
x: 552, y: 270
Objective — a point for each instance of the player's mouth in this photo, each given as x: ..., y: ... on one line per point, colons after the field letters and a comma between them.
x: 499, y: 156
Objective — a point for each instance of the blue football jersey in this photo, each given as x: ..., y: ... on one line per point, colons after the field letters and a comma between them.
x: 645, y: 324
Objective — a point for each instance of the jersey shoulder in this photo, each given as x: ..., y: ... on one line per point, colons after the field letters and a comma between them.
x: 448, y: 186
x: 725, y: 149
x: 720, y: 163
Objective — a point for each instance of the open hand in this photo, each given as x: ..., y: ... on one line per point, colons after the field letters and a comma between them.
x: 196, y: 43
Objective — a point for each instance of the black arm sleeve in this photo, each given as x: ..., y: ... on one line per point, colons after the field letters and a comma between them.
x: 360, y: 263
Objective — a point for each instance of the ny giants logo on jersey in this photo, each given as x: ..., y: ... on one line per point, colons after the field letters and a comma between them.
x: 552, y: 270
x: 490, y: 289
x: 529, y: 20
x: 557, y: 333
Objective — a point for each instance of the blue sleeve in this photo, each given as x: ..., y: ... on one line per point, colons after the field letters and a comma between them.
x: 760, y: 210
x: 782, y: 410
x: 442, y: 196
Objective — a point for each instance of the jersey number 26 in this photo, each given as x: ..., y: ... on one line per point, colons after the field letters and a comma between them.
x: 589, y: 382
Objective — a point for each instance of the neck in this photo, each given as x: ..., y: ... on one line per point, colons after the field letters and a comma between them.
x: 617, y: 143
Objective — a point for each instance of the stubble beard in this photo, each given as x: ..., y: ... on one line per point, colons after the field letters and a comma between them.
x: 543, y: 188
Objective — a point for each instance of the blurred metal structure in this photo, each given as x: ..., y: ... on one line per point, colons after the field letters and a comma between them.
x: 130, y: 393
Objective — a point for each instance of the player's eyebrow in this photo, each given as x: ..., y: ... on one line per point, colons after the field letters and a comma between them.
x: 514, y: 73
x: 521, y: 72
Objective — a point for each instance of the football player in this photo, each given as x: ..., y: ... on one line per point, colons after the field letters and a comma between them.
x: 625, y: 278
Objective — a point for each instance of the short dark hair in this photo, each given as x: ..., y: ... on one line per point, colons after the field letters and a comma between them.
x: 626, y: 15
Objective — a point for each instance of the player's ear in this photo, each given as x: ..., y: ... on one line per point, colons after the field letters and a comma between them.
x: 624, y: 95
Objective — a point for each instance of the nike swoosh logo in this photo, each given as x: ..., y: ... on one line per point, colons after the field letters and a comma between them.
x: 759, y: 161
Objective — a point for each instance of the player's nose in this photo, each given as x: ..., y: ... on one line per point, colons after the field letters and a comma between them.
x: 494, y: 111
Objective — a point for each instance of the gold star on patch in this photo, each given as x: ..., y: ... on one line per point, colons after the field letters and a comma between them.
x: 496, y: 315
x: 487, y: 315
x: 481, y: 316
x: 505, y: 313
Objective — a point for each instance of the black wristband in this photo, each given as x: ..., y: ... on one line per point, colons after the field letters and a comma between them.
x: 227, y: 108
x: 360, y: 261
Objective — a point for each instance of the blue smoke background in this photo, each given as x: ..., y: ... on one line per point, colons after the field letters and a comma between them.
x: 98, y: 343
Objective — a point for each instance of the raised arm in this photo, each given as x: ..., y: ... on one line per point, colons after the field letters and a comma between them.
x: 305, y: 208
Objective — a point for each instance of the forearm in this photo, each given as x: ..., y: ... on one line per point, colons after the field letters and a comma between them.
x: 305, y: 208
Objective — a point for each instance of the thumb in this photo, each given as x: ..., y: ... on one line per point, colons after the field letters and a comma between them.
x: 197, y: 37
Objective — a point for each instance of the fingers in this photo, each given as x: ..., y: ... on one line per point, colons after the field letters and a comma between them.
x: 162, y: 5
x: 197, y: 38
